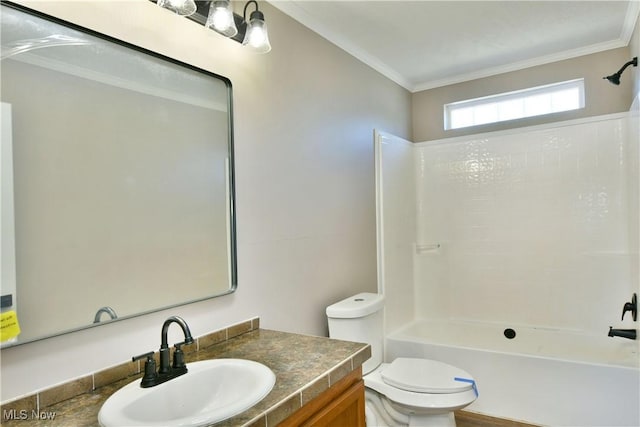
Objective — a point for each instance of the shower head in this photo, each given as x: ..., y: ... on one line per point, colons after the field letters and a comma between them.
x: 615, y: 78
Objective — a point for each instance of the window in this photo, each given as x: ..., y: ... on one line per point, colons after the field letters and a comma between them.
x: 535, y: 101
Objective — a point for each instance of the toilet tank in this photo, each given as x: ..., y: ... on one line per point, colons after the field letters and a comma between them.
x: 360, y: 318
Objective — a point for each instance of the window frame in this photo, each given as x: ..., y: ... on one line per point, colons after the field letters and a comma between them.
x: 521, y: 94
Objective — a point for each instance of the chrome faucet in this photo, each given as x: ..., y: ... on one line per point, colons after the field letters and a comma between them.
x: 166, y: 371
x: 110, y: 311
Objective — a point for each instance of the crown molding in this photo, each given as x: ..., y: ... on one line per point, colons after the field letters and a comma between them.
x: 631, y: 18
x: 520, y: 65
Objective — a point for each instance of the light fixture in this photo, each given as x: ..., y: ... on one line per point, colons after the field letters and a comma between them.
x: 218, y: 15
x: 220, y: 18
x: 615, y: 78
x: 256, y: 36
x: 181, y: 7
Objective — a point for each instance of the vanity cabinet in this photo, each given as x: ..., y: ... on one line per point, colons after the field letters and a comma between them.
x: 339, y: 406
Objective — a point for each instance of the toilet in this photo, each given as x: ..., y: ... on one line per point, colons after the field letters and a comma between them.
x: 407, y: 391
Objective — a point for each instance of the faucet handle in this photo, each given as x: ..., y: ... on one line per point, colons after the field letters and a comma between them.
x: 632, y: 307
x: 150, y: 374
x: 149, y: 357
x: 178, y: 356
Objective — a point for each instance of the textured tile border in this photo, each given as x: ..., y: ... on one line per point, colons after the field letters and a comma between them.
x: 42, y: 399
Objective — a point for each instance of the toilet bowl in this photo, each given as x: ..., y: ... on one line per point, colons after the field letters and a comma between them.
x: 407, y: 391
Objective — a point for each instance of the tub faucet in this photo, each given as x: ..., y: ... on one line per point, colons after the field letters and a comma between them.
x: 166, y: 371
x: 624, y: 333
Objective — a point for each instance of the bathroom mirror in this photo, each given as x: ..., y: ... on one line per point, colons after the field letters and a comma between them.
x: 117, y: 179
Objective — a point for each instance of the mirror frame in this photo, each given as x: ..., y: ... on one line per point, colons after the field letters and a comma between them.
x: 232, y: 241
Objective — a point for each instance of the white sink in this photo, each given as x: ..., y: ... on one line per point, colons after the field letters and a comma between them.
x: 212, y: 391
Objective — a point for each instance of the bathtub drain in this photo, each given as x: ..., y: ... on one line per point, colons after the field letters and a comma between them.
x: 509, y: 333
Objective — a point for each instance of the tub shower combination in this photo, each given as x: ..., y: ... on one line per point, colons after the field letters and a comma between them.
x: 512, y: 255
x: 545, y: 376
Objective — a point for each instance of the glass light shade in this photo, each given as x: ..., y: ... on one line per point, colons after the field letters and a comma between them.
x: 221, y: 18
x: 256, y: 37
x: 181, y: 7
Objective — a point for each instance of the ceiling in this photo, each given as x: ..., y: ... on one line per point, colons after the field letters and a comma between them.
x: 426, y: 44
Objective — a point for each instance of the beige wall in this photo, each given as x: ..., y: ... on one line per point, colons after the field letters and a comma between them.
x: 600, y: 96
x: 304, y: 115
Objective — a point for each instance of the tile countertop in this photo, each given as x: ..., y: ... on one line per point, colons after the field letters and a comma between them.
x: 305, y: 366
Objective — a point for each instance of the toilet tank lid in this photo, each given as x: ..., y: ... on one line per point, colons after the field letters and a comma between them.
x: 359, y: 305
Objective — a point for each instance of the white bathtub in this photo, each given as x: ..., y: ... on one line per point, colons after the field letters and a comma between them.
x: 542, y: 376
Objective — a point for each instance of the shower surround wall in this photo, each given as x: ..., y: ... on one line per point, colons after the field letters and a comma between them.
x: 536, y: 226
x: 534, y: 229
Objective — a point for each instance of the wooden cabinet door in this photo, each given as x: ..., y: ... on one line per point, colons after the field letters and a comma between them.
x: 346, y: 410
x: 341, y: 405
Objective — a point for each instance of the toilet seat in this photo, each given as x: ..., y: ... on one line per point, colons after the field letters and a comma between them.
x: 425, y: 376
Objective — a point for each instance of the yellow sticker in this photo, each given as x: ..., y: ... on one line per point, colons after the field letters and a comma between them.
x: 9, y: 326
